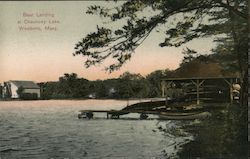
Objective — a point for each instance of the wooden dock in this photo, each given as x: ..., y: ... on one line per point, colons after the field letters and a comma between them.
x: 115, y: 114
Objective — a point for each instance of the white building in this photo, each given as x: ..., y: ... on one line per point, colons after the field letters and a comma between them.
x: 10, y: 88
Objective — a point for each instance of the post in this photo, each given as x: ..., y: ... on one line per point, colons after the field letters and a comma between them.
x: 198, y: 84
x: 107, y: 115
x: 230, y: 83
x: 198, y: 92
x: 163, y: 88
x: 166, y: 102
x: 166, y: 88
x: 231, y: 91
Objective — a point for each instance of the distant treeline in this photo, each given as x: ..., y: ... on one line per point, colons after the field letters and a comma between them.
x: 130, y: 85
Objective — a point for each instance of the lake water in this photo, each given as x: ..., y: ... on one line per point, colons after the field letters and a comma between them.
x: 51, y: 129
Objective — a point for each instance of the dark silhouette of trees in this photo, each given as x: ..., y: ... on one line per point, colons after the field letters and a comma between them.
x: 189, y: 55
x: 128, y: 85
x: 191, y: 21
x: 68, y: 86
x: 72, y: 86
x: 132, y: 85
x: 154, y: 81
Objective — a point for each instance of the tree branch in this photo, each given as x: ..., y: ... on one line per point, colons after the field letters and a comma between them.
x: 231, y: 8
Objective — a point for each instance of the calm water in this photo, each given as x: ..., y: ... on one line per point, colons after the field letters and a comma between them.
x: 51, y: 129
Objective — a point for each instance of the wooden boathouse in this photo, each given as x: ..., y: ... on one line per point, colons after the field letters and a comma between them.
x: 203, y: 89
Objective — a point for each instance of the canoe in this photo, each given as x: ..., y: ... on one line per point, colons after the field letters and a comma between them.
x: 183, y: 116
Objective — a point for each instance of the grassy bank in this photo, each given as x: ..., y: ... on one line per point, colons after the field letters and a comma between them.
x: 224, y: 135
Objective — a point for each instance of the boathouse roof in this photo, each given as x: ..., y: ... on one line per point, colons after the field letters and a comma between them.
x: 25, y: 84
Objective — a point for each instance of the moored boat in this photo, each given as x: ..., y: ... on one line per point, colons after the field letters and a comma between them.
x: 183, y: 116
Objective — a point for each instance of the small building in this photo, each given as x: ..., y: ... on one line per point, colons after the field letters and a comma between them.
x: 10, y: 88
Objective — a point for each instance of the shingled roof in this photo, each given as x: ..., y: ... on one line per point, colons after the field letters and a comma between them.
x: 197, y: 68
x: 26, y: 84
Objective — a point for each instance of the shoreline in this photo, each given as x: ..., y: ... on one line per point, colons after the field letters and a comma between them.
x: 221, y: 136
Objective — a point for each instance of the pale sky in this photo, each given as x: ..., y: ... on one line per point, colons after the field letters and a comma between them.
x: 45, y: 55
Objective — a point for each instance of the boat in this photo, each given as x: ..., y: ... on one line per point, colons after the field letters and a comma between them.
x: 183, y: 116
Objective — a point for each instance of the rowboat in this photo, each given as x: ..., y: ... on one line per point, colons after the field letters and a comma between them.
x: 183, y: 116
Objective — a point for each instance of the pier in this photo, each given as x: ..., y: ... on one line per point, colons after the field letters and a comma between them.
x: 115, y: 114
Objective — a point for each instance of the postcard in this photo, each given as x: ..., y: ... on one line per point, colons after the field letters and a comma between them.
x: 124, y: 79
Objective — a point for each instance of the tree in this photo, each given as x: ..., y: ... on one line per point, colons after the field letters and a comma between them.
x: 154, y: 80
x: 68, y: 86
x: 185, y: 20
x: 189, y: 55
x: 72, y: 86
x: 132, y: 85
x: 100, y: 89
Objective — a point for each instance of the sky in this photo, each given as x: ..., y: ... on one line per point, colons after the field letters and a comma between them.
x: 46, y: 54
